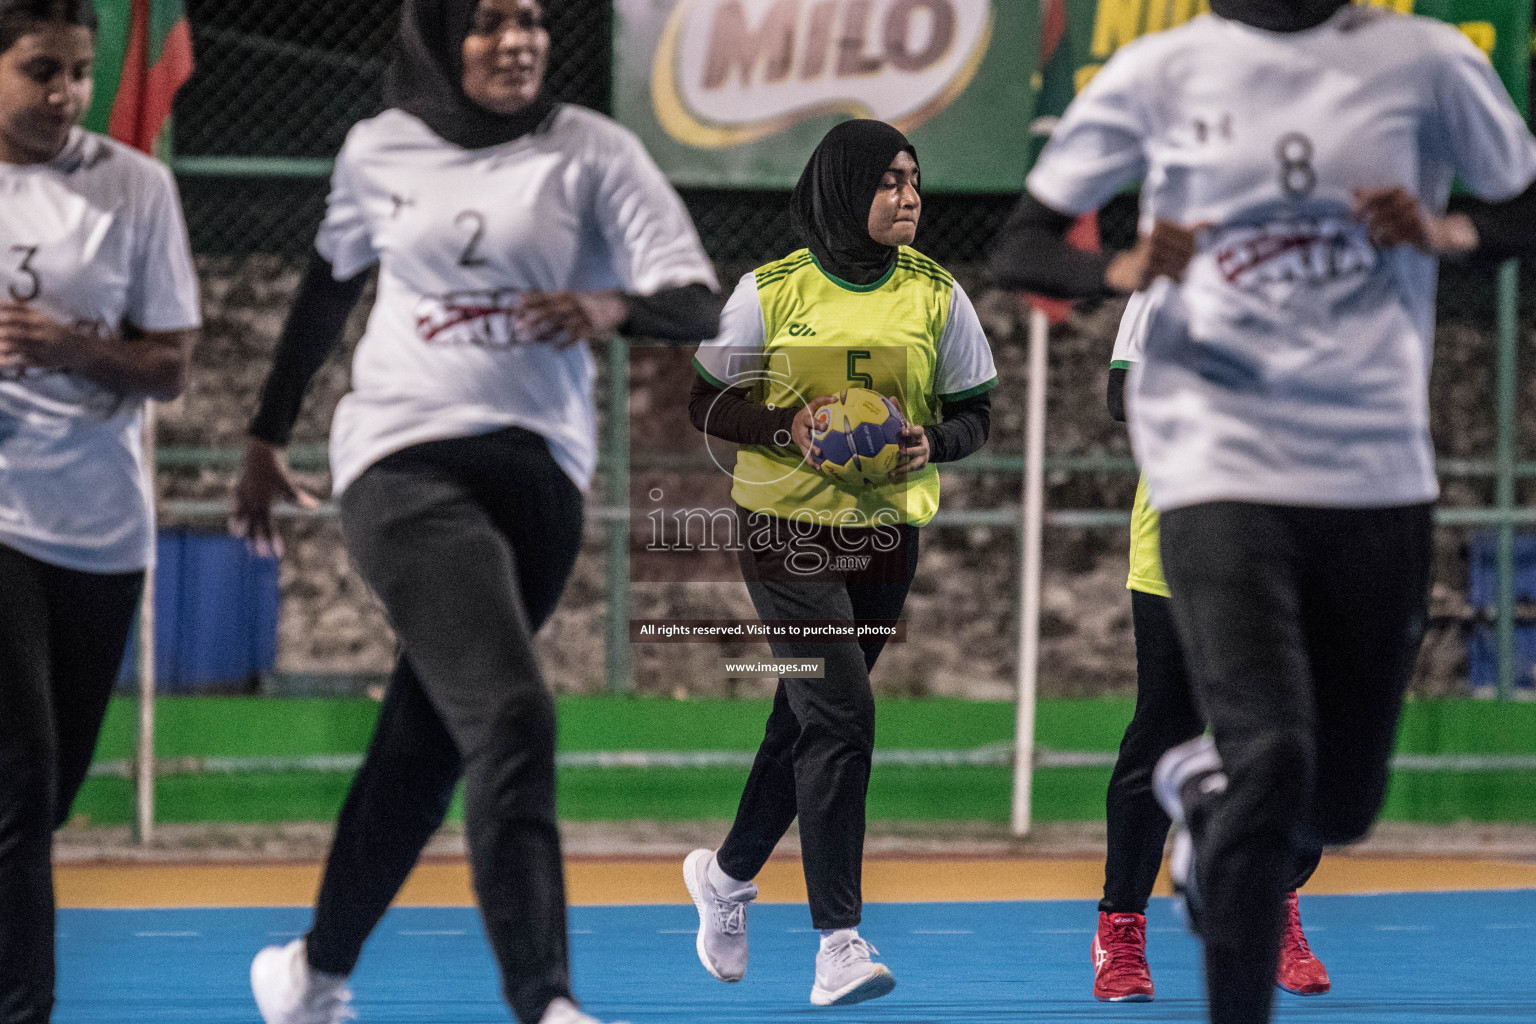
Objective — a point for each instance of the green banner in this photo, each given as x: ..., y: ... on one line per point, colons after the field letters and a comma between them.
x: 736, y: 93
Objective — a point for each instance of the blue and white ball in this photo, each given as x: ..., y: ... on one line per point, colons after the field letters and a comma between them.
x: 859, y: 436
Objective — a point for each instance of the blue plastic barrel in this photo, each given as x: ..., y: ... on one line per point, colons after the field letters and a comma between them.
x: 1483, y: 593
x: 216, y: 607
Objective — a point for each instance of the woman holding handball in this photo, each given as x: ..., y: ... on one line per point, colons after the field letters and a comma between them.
x: 508, y: 231
x: 98, y: 313
x: 856, y: 309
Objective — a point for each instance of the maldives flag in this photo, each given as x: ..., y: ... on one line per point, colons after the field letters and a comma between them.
x: 143, y: 55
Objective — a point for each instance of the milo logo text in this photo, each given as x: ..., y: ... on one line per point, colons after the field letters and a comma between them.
x: 732, y: 71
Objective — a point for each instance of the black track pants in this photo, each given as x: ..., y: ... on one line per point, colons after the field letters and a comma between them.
x: 815, y: 756
x: 62, y: 635
x: 1165, y: 717
x: 1301, y: 626
x: 468, y: 543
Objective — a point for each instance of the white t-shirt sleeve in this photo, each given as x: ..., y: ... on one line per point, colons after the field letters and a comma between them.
x: 1131, y: 338
x: 738, y: 350
x: 346, y: 238
x: 965, y: 366
x: 1098, y: 147
x: 163, y: 295
x: 1480, y: 132
x: 650, y: 237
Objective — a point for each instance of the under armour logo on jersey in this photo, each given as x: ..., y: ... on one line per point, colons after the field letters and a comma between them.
x: 801, y: 331
x: 1221, y: 128
x: 401, y: 202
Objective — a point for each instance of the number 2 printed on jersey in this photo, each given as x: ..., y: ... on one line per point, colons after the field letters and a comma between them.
x: 474, y: 221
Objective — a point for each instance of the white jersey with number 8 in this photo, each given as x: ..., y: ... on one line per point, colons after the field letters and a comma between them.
x: 1291, y: 365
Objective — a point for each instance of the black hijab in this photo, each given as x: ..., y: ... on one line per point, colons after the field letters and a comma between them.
x: 835, y: 192
x: 1278, y: 15
x: 426, y: 78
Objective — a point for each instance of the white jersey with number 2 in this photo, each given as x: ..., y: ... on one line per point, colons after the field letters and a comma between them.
x: 1291, y: 366
x: 459, y: 235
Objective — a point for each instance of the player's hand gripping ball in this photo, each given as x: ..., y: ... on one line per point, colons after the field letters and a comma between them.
x: 859, y: 436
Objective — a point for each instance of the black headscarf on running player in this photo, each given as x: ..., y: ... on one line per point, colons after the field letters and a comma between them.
x: 426, y: 78
x: 834, y: 195
x: 1277, y: 15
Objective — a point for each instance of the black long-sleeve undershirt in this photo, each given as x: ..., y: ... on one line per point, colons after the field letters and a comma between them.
x: 1505, y: 230
x: 1114, y: 396
x: 727, y: 413
x: 686, y: 315
x: 1031, y: 254
x: 318, y: 318
x: 731, y: 415
x: 315, y: 324
x: 967, y: 424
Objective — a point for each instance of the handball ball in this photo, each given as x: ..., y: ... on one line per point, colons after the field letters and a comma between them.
x: 859, y: 436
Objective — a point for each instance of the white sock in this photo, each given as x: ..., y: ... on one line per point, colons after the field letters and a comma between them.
x: 837, y: 936
x: 559, y: 1009
x: 724, y: 884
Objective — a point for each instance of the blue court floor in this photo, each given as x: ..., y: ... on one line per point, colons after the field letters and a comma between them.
x: 1438, y: 958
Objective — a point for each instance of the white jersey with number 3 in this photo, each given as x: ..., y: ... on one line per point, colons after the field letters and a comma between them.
x: 459, y: 235
x: 1291, y: 366
x: 93, y: 238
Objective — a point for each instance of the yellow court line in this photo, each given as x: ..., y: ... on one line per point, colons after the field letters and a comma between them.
x: 607, y: 882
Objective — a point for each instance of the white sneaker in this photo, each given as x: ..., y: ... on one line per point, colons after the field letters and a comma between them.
x: 1197, y: 762
x: 1181, y: 764
x: 289, y: 991
x: 722, y: 942
x: 845, y: 973
x: 562, y: 1011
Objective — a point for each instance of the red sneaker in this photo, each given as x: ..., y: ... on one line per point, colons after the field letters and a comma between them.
x: 1300, y: 970
x: 1120, y: 972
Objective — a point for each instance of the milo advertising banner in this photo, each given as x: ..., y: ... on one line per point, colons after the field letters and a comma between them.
x: 736, y: 93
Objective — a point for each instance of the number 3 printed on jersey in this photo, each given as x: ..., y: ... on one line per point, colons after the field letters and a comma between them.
x: 25, y: 284
x: 1297, y: 175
